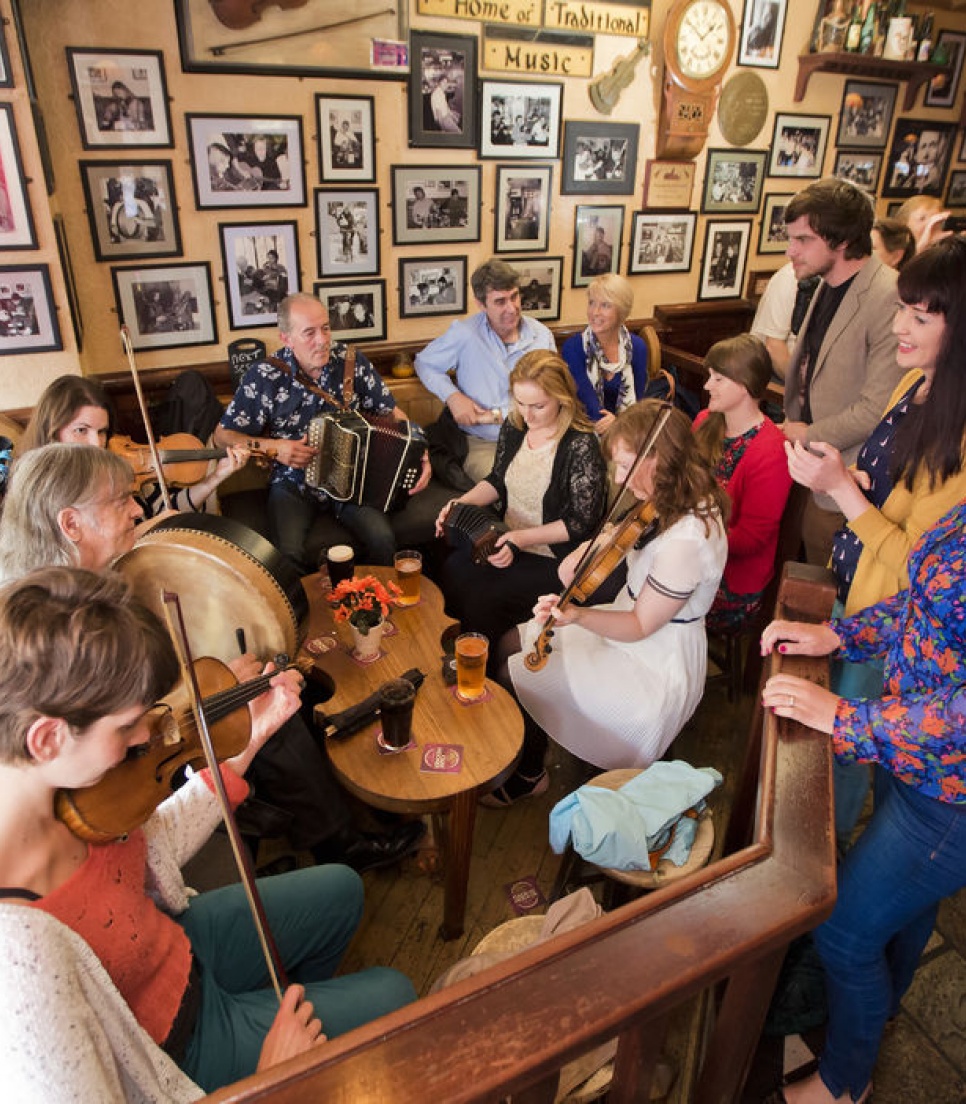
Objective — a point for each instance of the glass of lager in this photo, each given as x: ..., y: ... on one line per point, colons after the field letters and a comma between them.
x: 471, y: 652
x: 409, y: 568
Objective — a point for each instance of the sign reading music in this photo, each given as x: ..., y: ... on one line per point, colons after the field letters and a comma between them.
x: 511, y: 50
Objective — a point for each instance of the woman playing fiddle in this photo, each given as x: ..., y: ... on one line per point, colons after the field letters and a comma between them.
x: 623, y: 678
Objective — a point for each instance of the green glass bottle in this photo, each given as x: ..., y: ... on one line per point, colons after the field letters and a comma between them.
x: 853, y: 34
x: 867, y: 35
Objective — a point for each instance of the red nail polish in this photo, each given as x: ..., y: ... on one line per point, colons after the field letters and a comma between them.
x: 782, y: 649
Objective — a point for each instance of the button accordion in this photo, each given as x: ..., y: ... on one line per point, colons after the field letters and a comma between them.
x: 475, y: 528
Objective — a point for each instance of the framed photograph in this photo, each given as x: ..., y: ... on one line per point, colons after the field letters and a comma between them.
x: 357, y: 309
x: 520, y: 120
x: 859, y: 167
x: 725, y: 254
x: 961, y: 154
x: 762, y: 29
x: 798, y: 145
x: 347, y: 151
x: 941, y: 91
x: 131, y: 209
x: 892, y: 209
x: 347, y: 232
x: 28, y: 320
x: 599, y: 158
x: 597, y: 242
x: 956, y: 192
x: 919, y: 158
x: 773, y: 236
x: 16, y: 221
x: 247, y: 160
x: 757, y: 282
x: 668, y: 185
x: 733, y: 181
x: 261, y: 266
x: 6, y: 77
x: 442, y: 90
x: 522, y: 222
x: 432, y: 285
x: 435, y: 203
x: 661, y: 243
x: 70, y: 281
x: 121, y: 97
x: 540, y: 281
x: 865, y: 117
x: 165, y: 306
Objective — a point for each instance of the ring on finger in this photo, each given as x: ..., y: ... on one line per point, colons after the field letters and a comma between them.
x: 791, y: 701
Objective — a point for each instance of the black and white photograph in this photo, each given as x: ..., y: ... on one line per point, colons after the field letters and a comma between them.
x: 357, y: 309
x: 347, y: 232
x: 865, y: 117
x: 733, y: 181
x: 442, y: 90
x: 346, y: 139
x: 131, y: 209
x: 762, y: 28
x: 520, y: 120
x: 261, y: 266
x: 246, y: 160
x: 798, y: 145
x: 540, y: 283
x: 16, y: 220
x: 919, y: 158
x: 6, y: 77
x: 599, y: 158
x: 956, y: 192
x: 597, y: 242
x: 432, y: 285
x: 773, y: 236
x: 28, y: 320
x: 523, y: 194
x: 661, y: 243
x: 166, y: 306
x: 942, y: 90
x: 435, y: 203
x: 859, y: 167
x: 725, y: 254
x: 121, y: 98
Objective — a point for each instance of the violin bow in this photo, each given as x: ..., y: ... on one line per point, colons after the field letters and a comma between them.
x: 276, y: 971
x: 152, y: 444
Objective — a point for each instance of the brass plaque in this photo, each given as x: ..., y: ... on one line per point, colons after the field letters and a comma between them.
x: 629, y: 19
x: 537, y: 53
x: 743, y: 108
x: 518, y: 13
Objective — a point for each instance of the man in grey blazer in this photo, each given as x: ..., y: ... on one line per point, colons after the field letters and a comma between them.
x: 843, y: 367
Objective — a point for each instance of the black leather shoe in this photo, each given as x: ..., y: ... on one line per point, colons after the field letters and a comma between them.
x: 367, y: 850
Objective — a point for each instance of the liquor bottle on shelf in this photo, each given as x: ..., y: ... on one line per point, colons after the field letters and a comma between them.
x: 925, y: 38
x: 855, y: 28
x: 867, y: 35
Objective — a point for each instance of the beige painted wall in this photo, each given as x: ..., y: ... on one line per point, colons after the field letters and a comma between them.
x: 53, y: 24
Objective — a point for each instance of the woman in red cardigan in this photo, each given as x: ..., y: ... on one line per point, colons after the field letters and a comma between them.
x: 747, y: 452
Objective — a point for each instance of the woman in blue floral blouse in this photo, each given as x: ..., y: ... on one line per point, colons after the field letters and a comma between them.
x: 911, y: 855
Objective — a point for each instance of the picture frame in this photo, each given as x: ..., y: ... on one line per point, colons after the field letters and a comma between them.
x: 347, y: 232
x: 733, y: 180
x: 121, y: 97
x: 918, y: 159
x: 16, y: 220
x: 859, y: 167
x: 131, y: 209
x: 773, y: 236
x: 246, y: 160
x: 346, y: 138
x: 941, y: 92
x: 599, y: 158
x: 260, y: 262
x: 668, y: 185
x: 435, y: 203
x: 762, y: 31
x: 166, y: 306
x: 28, y: 318
x: 597, y: 242
x: 442, y: 91
x: 661, y: 243
x: 724, y: 258
x: 521, y: 222
x: 70, y: 281
x: 961, y: 152
x: 357, y: 309
x: 758, y: 280
x: 865, y: 117
x: 540, y: 283
x: 432, y: 285
x: 6, y: 76
x: 956, y: 190
x: 520, y: 120
x: 798, y: 145
x: 892, y: 209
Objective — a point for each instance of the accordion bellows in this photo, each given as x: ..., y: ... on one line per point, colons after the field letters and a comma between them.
x: 476, y: 528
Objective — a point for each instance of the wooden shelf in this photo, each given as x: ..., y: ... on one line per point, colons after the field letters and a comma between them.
x: 916, y: 73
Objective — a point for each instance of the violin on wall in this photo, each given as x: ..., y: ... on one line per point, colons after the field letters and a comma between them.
x: 239, y: 14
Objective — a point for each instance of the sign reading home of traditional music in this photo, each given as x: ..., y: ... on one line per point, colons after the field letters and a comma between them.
x: 629, y: 18
x: 546, y: 53
x: 520, y: 13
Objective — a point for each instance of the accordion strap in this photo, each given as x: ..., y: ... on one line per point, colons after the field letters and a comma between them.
x: 348, y: 379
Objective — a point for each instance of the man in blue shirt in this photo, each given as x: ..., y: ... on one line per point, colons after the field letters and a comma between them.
x: 481, y: 351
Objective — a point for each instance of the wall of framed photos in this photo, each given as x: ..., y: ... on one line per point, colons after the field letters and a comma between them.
x: 192, y: 197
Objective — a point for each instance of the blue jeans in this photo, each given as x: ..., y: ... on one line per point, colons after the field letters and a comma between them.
x: 313, y: 914
x: 911, y: 856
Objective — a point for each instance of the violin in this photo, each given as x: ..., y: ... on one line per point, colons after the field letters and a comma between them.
x: 184, y: 459
x: 236, y: 15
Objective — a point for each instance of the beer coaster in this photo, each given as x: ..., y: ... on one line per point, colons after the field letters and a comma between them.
x: 524, y: 895
x: 408, y: 605
x: 319, y: 645
x: 389, y: 628
x: 442, y: 759
x: 484, y: 697
x: 369, y: 660
x: 384, y: 749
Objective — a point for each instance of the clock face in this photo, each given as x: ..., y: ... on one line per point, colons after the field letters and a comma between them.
x: 703, y: 40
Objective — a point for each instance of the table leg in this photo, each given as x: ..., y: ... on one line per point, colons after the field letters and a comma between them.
x: 456, y: 857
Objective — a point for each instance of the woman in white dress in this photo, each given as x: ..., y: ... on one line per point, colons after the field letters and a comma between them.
x: 623, y: 678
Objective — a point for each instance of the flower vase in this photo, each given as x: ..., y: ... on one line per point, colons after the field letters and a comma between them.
x: 365, y: 646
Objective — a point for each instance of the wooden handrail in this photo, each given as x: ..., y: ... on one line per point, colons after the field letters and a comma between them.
x: 510, y: 1029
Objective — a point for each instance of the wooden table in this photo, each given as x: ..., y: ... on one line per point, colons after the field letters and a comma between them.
x: 490, y: 732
